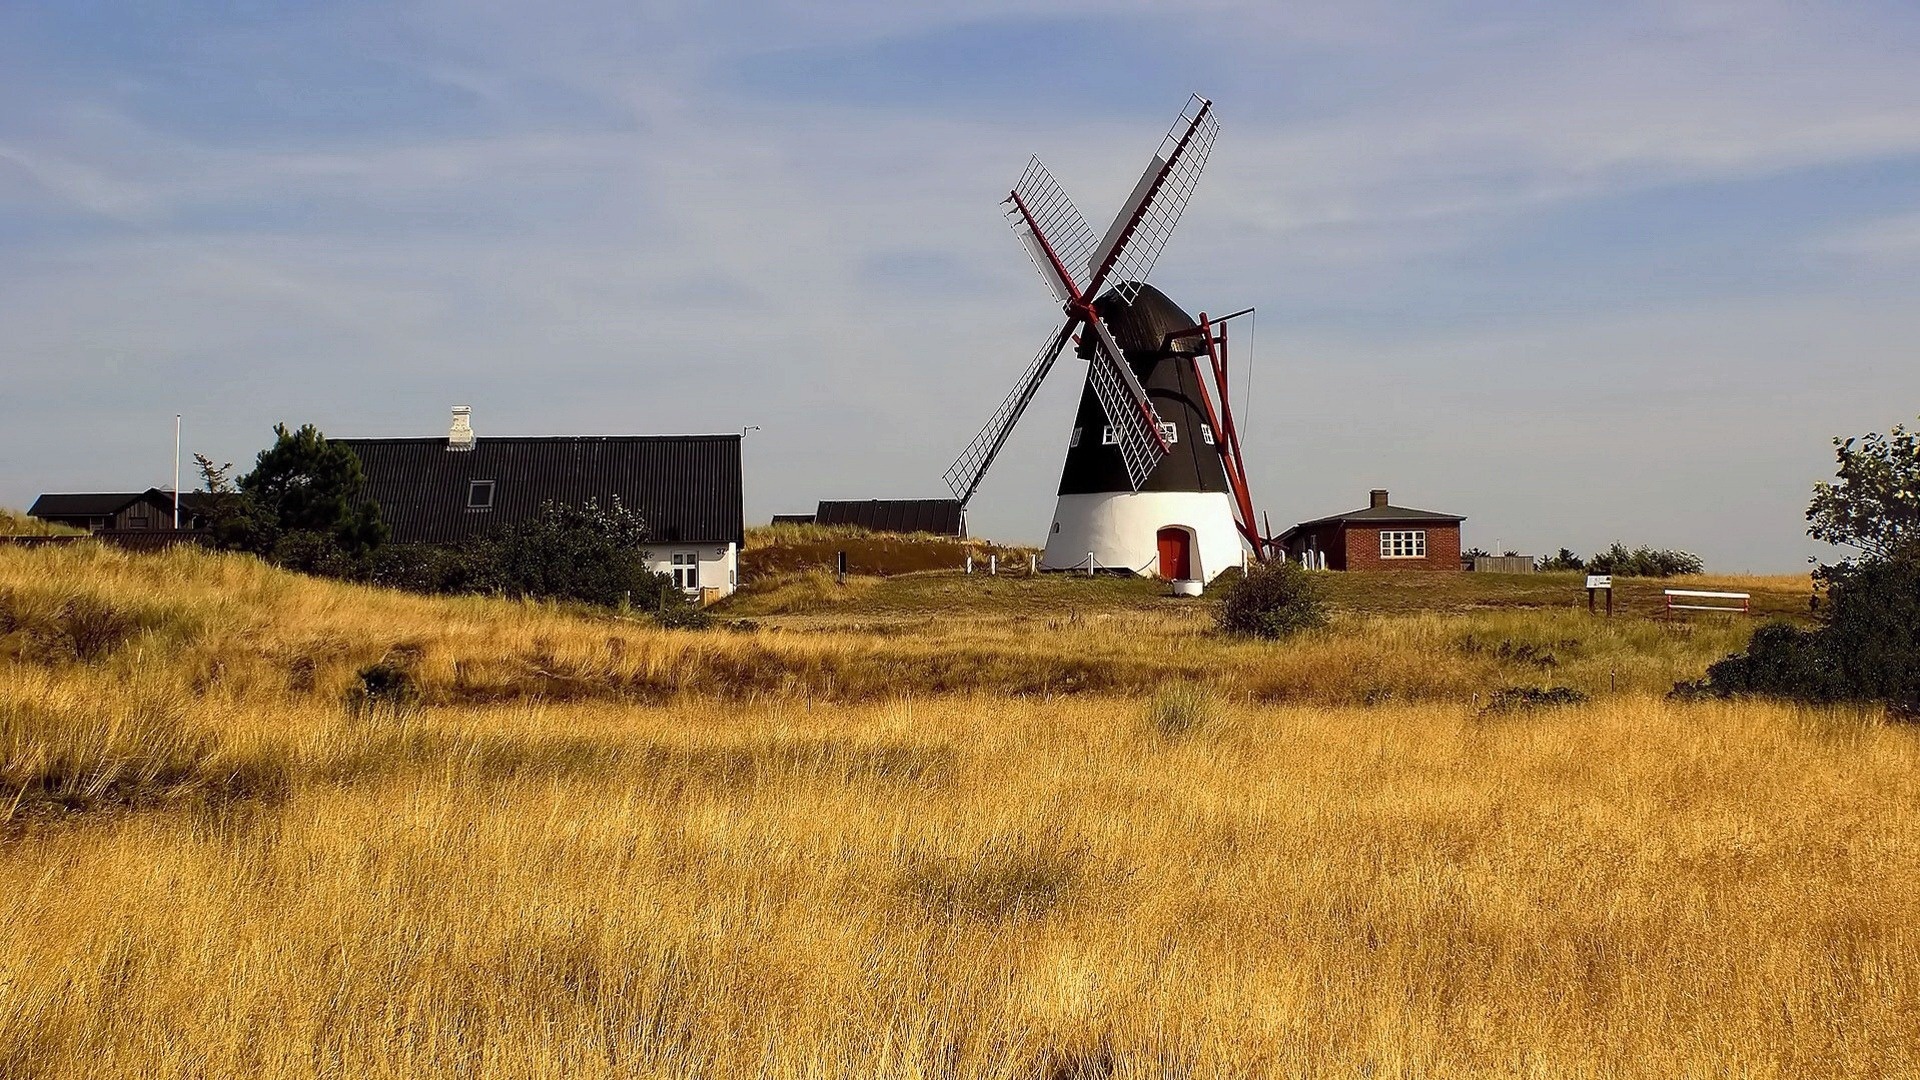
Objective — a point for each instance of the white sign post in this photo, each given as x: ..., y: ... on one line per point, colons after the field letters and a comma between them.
x: 1597, y: 583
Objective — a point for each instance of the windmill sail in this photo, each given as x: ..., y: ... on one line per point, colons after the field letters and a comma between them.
x: 965, y: 474
x: 1136, y: 426
x: 1061, y: 244
x: 1139, y: 232
x: 1056, y: 237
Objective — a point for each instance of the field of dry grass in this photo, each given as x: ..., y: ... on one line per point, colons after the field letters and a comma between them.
x: 901, y: 842
x: 15, y: 523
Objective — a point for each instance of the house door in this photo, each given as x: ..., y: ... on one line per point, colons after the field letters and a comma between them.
x: 1175, y: 554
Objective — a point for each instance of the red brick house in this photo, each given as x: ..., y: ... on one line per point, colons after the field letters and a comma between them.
x: 1380, y: 537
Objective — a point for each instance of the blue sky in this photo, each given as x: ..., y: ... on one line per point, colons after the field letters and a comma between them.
x: 1579, y: 272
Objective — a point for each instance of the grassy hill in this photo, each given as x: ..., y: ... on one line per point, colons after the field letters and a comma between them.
x: 263, y: 825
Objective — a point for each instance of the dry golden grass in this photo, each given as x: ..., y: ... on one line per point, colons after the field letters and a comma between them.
x: 15, y: 523
x: 612, y: 864
x: 235, y: 623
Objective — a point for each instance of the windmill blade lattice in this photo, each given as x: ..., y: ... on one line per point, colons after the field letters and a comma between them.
x: 1136, y: 426
x: 1056, y: 223
x: 1139, y: 233
x: 965, y: 474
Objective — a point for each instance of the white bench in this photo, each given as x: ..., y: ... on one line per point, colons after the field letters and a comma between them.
x: 1687, y: 595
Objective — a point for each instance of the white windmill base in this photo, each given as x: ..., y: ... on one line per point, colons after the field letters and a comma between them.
x: 1120, y: 531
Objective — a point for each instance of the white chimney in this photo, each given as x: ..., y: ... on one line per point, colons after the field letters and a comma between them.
x: 460, y: 436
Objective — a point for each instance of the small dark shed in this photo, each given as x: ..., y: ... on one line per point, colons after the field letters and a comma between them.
x: 121, y: 511
x: 942, y: 517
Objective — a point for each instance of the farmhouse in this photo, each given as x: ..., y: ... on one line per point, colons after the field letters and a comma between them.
x: 1380, y: 536
x: 454, y: 488
x: 119, y: 512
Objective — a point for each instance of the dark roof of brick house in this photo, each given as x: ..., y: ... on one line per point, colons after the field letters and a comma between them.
x: 1378, y: 512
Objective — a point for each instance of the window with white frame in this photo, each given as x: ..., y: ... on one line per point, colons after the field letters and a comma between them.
x: 686, y: 570
x: 1108, y: 437
x: 1170, y: 432
x: 1403, y: 543
x: 1206, y: 434
x: 1074, y: 439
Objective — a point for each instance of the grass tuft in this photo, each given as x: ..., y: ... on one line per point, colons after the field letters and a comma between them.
x: 1180, y: 709
x: 1006, y: 879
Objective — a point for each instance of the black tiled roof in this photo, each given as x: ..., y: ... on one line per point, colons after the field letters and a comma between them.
x: 940, y: 516
x: 686, y: 486
x: 106, y: 503
x: 82, y: 504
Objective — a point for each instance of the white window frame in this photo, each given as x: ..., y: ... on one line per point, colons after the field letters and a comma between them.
x: 686, y: 570
x: 474, y: 487
x: 1074, y: 439
x: 1108, y: 437
x: 1169, y: 431
x: 1403, y: 543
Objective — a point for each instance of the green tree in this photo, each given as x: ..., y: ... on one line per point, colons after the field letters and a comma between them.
x: 1867, y: 647
x: 305, y: 484
x: 233, y: 520
x: 1873, y: 503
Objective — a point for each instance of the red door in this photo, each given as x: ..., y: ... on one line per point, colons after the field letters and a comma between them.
x: 1174, y: 554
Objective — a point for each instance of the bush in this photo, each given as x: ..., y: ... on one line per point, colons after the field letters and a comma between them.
x: 1275, y: 600
x: 425, y: 568
x: 1642, y: 562
x: 586, y: 553
x: 1565, y: 560
x: 386, y: 688
x: 1868, y: 649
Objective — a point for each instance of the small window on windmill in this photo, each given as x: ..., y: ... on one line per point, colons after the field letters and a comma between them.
x: 1170, y: 432
x: 1108, y: 437
x: 1073, y: 440
x: 1206, y: 434
x: 479, y: 494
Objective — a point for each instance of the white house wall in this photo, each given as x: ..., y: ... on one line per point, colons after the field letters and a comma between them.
x: 719, y: 565
x: 1121, y: 530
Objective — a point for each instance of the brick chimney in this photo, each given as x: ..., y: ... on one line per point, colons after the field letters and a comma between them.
x: 1377, y: 498
x: 460, y: 435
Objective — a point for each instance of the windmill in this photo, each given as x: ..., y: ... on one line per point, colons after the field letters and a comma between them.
x: 1153, y: 481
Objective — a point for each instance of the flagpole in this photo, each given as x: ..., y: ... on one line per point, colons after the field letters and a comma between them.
x: 176, y: 472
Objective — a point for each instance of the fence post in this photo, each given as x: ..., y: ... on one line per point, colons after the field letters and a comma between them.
x: 1089, y: 564
x: 993, y: 565
x: 1033, y: 564
x: 841, y: 562
x: 969, y: 564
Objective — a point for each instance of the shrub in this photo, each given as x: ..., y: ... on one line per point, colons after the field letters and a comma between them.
x: 387, y: 687
x: 425, y: 568
x: 1275, y: 600
x: 1564, y: 560
x: 1643, y: 561
x: 587, y: 553
x: 1868, y: 648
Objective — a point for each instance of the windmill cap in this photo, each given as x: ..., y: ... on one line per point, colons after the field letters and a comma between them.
x: 1142, y: 325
